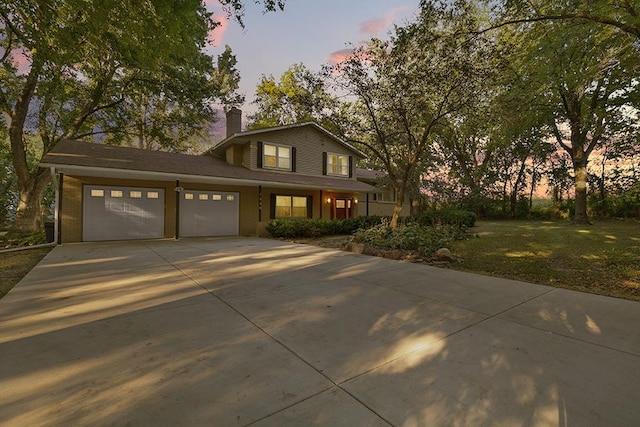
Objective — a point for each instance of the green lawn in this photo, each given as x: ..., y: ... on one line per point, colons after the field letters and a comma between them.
x: 602, y: 258
x: 15, y: 265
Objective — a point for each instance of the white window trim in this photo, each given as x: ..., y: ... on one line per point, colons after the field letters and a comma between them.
x: 278, y: 146
x: 338, y: 155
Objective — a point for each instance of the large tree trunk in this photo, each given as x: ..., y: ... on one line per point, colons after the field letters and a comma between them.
x: 397, y: 208
x: 580, y: 171
x: 29, y: 215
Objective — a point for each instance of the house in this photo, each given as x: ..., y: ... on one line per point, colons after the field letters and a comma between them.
x: 116, y: 193
x: 382, y: 200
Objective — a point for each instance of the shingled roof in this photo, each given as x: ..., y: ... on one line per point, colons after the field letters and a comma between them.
x: 90, y: 159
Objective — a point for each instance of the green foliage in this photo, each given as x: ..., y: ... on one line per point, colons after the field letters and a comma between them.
x: 455, y: 217
x: 622, y: 204
x: 119, y: 71
x: 303, y: 227
x: 8, y: 186
x: 404, y: 91
x: 299, y: 96
x: 235, y: 8
x: 421, y: 240
x: 15, y: 238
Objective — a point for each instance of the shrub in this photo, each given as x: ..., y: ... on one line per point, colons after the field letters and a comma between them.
x: 294, y: 228
x: 17, y: 239
x: 455, y: 217
x: 415, y: 238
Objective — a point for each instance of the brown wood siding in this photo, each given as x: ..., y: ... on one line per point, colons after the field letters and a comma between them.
x: 309, y: 143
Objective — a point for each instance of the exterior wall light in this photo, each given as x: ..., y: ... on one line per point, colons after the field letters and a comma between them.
x: 328, y: 200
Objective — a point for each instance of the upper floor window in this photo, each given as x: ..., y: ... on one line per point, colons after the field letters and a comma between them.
x: 337, y: 164
x: 276, y: 157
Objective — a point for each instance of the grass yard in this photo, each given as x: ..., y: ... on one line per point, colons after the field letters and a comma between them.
x: 603, y: 258
x: 15, y: 265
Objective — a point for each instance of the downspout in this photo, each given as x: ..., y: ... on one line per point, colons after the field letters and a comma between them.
x: 57, y: 183
x: 321, y: 203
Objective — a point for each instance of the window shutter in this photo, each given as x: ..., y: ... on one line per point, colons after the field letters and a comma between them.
x: 293, y: 159
x: 272, y: 206
x: 350, y: 166
x: 324, y: 163
x: 310, y: 207
x: 260, y: 154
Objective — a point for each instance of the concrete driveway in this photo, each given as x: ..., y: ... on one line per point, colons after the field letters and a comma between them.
x: 259, y: 332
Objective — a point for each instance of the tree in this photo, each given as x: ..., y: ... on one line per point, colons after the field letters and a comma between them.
x: 622, y: 15
x: 299, y: 96
x: 159, y: 122
x: 582, y: 77
x: 466, y: 148
x: 235, y: 8
x: 79, y: 68
x: 405, y: 90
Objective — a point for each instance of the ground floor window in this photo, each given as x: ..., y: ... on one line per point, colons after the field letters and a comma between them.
x: 291, y: 206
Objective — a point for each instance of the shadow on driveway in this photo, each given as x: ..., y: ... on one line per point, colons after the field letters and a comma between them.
x: 241, y: 331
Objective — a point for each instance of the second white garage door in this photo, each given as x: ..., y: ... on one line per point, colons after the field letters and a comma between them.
x: 209, y: 213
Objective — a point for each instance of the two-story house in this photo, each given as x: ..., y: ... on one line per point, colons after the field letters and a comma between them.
x: 115, y: 193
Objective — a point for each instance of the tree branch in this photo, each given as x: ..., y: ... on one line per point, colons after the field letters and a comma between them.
x: 564, y: 16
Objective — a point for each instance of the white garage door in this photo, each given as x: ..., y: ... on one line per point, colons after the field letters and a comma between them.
x: 122, y: 213
x: 209, y: 213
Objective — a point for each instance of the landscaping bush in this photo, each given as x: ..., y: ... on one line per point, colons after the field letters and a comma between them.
x: 303, y: 227
x: 422, y: 240
x: 455, y: 217
x: 13, y: 239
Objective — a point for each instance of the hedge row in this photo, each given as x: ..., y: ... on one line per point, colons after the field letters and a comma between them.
x: 303, y: 227
x: 293, y: 228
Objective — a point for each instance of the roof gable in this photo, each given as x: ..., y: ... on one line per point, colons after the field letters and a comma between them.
x: 244, y: 137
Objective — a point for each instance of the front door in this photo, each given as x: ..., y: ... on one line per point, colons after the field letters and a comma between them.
x: 342, y: 209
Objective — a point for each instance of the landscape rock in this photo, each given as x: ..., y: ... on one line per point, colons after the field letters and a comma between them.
x: 392, y: 254
x: 357, y: 248
x: 371, y: 250
x: 444, y: 254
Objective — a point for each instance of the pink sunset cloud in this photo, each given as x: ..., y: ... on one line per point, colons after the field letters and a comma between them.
x: 217, y: 34
x: 340, y: 55
x: 21, y: 60
x: 381, y: 23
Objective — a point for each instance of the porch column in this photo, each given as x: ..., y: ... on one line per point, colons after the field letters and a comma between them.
x: 367, y: 210
x: 259, y: 203
x: 176, y: 235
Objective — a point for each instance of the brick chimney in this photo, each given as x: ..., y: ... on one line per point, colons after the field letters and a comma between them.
x: 234, y: 121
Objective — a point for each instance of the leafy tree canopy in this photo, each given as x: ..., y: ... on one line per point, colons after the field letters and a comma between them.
x: 81, y: 68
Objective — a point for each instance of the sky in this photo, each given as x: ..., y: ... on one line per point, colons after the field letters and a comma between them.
x: 312, y: 32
